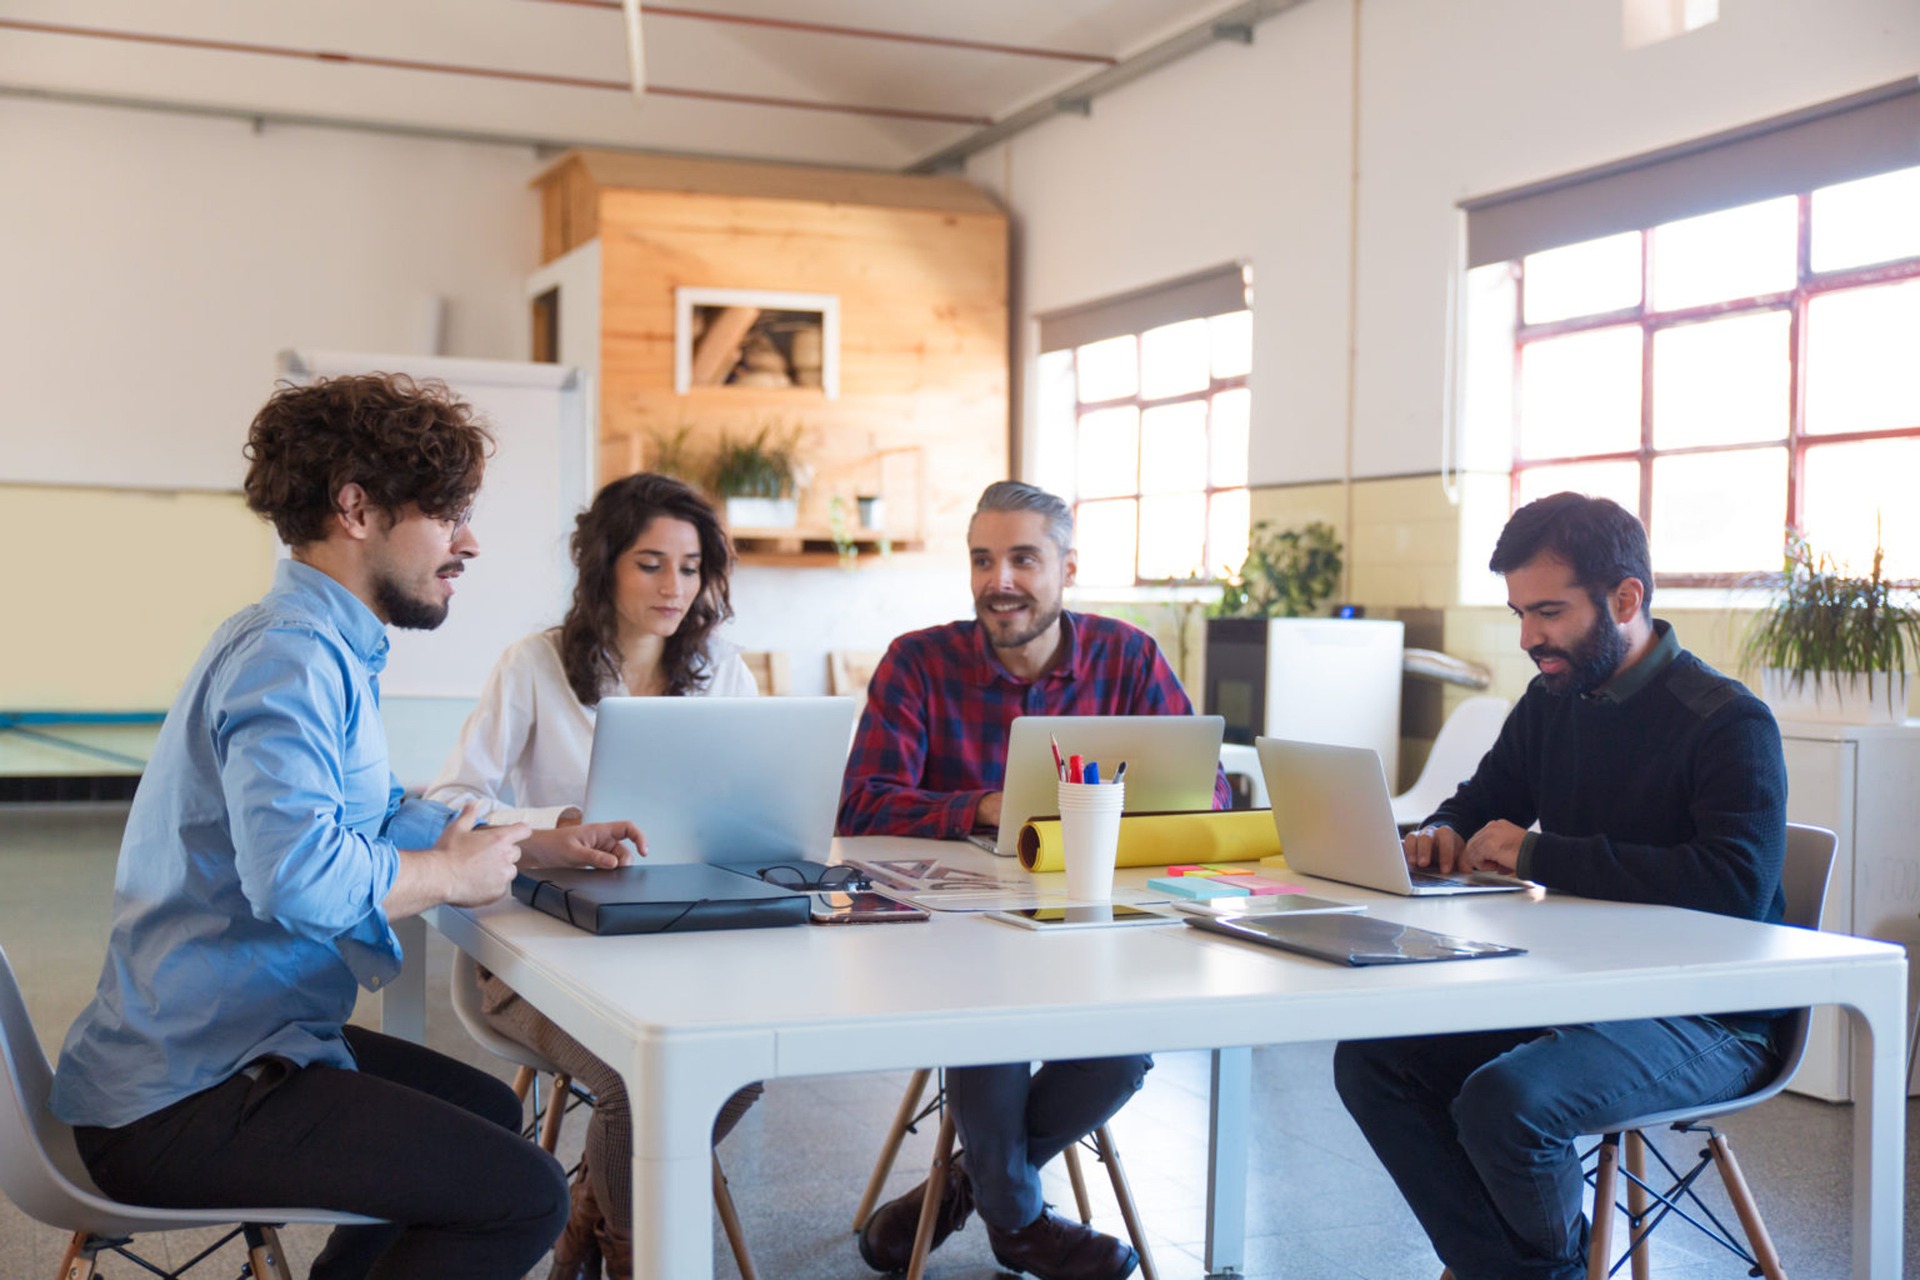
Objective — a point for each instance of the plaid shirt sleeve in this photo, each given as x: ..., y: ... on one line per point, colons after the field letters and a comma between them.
x: 884, y: 792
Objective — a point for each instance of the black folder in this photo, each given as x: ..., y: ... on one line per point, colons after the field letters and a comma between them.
x: 674, y: 899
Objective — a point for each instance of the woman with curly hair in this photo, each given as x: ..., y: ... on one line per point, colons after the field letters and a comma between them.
x: 651, y: 562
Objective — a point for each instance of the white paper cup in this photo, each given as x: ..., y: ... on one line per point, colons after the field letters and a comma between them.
x: 1090, y: 837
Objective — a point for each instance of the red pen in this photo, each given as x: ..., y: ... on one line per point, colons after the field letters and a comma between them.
x: 1075, y: 769
x: 1059, y: 765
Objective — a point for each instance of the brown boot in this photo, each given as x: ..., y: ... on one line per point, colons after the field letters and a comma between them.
x: 577, y: 1253
x: 616, y: 1249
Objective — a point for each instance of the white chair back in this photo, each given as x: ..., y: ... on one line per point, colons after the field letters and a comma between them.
x: 1466, y: 736
x: 1240, y: 761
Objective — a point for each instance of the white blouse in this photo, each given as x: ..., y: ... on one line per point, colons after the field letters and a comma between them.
x: 522, y: 754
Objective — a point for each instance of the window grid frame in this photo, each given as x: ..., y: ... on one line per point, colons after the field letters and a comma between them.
x: 1140, y: 403
x: 1807, y: 285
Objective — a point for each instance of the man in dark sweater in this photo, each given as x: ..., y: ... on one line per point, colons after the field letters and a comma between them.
x: 1655, y: 779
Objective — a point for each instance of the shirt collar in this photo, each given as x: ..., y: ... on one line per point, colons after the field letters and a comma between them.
x: 984, y: 667
x: 1666, y: 648
x: 364, y: 633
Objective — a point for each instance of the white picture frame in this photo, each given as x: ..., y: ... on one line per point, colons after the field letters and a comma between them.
x: 778, y: 335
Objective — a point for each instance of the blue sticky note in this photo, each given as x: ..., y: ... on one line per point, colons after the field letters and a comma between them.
x: 1197, y: 888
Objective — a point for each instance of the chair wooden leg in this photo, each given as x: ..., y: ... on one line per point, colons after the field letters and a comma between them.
x: 730, y: 1221
x: 1079, y: 1181
x: 1637, y: 1202
x: 556, y: 1112
x: 78, y: 1264
x: 264, y: 1255
x: 1757, y: 1238
x: 1123, y: 1192
x: 522, y: 1081
x: 890, y: 1149
x: 1600, y: 1240
x: 930, y: 1203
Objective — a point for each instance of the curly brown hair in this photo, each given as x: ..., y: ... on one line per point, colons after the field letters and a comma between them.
x: 590, y: 635
x: 404, y: 442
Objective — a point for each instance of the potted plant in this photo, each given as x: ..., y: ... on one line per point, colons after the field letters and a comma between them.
x: 756, y: 478
x: 1287, y: 573
x: 1833, y: 647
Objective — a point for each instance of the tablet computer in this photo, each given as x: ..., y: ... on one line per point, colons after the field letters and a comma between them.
x: 1352, y: 939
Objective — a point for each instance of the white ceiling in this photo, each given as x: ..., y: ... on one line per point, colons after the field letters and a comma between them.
x: 853, y: 96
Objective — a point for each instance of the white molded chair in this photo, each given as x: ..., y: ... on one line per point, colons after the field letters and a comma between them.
x: 41, y: 1172
x: 1809, y: 864
x: 1241, y: 761
x: 1464, y: 738
x: 465, y: 990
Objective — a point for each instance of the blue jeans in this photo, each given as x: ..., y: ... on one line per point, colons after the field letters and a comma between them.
x: 1479, y: 1130
x: 1013, y: 1119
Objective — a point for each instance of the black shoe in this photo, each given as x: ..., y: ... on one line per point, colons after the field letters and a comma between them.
x: 1057, y: 1248
x: 886, y: 1242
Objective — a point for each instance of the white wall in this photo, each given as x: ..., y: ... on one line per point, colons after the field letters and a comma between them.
x: 1244, y: 152
x: 154, y: 264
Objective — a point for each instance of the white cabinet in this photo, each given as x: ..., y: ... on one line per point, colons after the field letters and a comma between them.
x: 1863, y: 781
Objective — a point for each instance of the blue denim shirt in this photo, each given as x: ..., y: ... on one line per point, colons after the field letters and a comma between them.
x: 262, y: 840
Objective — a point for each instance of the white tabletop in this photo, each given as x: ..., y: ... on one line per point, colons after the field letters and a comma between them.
x: 688, y: 1018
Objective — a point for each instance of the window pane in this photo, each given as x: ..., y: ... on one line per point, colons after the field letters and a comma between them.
x: 1719, y: 512
x: 1103, y: 535
x: 1617, y: 480
x: 1109, y: 369
x: 1875, y: 219
x: 1109, y: 452
x: 1849, y: 487
x: 1173, y: 447
x: 1227, y: 523
x: 1581, y: 393
x: 1862, y: 347
x: 1173, y: 535
x: 1175, y: 359
x: 1232, y: 336
x: 1722, y: 381
x: 1584, y: 279
x: 1230, y: 415
x: 1736, y: 253
x: 1054, y: 393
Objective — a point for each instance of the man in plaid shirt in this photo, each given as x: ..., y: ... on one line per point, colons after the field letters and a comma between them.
x: 929, y: 760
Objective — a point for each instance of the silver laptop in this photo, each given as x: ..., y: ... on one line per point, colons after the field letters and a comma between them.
x: 1171, y: 764
x: 1334, y: 815
x: 721, y: 780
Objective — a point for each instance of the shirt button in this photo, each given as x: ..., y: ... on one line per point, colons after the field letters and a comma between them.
x: 373, y: 985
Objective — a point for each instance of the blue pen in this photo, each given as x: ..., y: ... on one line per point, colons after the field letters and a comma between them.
x: 1121, y: 772
x: 1093, y: 773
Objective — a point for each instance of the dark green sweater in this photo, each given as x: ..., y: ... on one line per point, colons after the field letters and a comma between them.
x: 1666, y: 787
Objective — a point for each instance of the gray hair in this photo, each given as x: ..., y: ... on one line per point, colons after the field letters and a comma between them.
x: 1012, y: 495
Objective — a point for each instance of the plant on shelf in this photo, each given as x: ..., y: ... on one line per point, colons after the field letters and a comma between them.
x: 1288, y: 573
x: 1833, y: 646
x: 675, y: 455
x: 757, y: 477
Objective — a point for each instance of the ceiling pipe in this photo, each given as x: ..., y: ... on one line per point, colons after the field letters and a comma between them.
x: 1233, y: 25
x: 636, y: 50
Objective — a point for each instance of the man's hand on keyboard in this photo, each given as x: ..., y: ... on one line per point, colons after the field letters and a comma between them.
x: 1436, y: 849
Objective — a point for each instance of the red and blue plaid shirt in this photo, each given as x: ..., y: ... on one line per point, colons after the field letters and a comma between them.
x: 933, y: 739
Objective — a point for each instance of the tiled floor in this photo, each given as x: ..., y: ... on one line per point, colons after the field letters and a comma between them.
x: 1319, y: 1206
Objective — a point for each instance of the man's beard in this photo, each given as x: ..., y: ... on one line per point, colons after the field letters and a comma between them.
x: 1041, y: 622
x: 410, y: 613
x: 1592, y: 660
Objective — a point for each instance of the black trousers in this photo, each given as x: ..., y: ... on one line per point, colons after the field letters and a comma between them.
x: 427, y: 1143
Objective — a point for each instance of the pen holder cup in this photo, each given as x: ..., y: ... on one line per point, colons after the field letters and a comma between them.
x: 1090, y: 837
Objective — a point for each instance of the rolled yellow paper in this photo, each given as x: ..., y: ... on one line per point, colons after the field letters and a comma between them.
x: 1157, y: 839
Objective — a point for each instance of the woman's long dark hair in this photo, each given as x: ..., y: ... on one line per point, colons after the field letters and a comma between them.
x: 590, y: 635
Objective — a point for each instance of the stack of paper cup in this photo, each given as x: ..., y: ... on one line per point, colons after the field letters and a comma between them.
x: 1090, y: 837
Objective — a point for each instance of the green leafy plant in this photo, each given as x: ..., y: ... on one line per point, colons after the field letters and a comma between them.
x: 675, y: 454
x: 1288, y: 573
x: 762, y: 466
x: 1828, y: 625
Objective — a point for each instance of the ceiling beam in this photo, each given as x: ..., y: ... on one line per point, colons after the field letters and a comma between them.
x: 1233, y: 25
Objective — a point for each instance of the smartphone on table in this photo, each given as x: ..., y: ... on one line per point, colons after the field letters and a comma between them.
x: 862, y: 906
x: 1050, y: 919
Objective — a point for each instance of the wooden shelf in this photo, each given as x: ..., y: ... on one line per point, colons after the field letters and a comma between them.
x: 806, y: 545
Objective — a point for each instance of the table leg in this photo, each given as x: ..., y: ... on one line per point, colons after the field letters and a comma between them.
x: 1878, y: 1024
x: 403, y: 1005
x: 1232, y: 1096
x: 675, y: 1091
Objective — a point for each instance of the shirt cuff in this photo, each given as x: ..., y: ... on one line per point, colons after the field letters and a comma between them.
x: 1523, y: 865
x: 417, y: 824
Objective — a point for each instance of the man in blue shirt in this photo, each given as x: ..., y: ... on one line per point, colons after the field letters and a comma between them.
x: 267, y: 852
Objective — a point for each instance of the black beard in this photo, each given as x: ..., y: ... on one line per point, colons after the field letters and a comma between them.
x: 1591, y: 662
x: 405, y: 611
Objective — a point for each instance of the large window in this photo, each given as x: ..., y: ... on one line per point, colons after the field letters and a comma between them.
x: 1733, y: 373
x: 1145, y: 433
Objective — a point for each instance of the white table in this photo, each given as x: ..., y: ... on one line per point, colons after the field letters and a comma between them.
x: 689, y: 1018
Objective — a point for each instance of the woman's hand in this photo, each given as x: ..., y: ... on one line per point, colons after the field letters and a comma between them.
x: 589, y: 844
